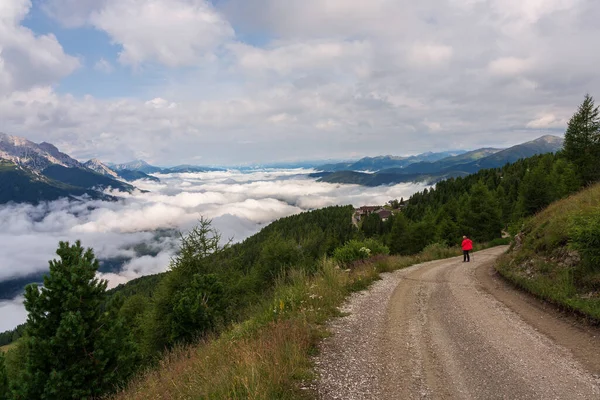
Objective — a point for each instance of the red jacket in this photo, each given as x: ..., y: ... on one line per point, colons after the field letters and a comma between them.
x: 467, y: 244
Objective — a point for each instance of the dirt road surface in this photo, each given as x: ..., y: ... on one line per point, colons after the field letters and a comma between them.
x: 453, y: 330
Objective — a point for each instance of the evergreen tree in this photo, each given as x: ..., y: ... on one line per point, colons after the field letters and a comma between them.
x: 535, y: 191
x: 371, y: 225
x: 397, y: 237
x: 582, y: 140
x: 198, y: 308
x: 481, y: 215
x: 77, y: 347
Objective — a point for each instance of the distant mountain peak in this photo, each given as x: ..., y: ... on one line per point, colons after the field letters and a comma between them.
x: 551, y: 139
x: 98, y: 166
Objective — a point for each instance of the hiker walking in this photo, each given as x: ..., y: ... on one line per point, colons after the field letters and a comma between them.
x: 467, y: 246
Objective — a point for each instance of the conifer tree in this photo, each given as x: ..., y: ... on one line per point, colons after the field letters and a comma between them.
x: 77, y: 347
x: 535, y: 192
x: 582, y: 140
x: 481, y: 214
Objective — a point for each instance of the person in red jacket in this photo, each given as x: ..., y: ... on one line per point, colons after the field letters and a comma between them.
x: 467, y: 246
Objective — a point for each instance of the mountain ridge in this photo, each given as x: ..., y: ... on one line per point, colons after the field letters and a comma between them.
x: 449, y: 167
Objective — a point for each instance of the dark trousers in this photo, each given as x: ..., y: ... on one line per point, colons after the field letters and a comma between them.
x: 466, y: 257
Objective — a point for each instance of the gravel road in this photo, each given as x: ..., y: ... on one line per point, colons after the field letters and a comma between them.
x: 452, y: 330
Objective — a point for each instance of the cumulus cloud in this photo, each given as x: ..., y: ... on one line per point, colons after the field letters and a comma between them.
x: 174, y: 33
x: 28, y: 60
x: 137, y: 235
x: 272, y: 80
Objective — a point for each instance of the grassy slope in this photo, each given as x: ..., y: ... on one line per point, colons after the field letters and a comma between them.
x: 7, y: 347
x: 544, y: 262
x: 269, y: 355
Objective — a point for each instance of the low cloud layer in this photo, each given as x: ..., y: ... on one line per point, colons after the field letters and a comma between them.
x: 137, y: 235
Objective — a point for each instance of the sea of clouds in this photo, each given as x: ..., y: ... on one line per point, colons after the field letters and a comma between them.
x: 138, y: 235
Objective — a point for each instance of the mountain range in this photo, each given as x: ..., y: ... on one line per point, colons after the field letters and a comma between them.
x: 143, y: 166
x: 381, y: 162
x: 444, y: 168
x: 31, y: 172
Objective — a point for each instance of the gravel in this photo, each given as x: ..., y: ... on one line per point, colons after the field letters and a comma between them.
x: 431, y: 332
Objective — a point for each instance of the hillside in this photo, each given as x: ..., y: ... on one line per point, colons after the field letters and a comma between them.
x: 557, y: 252
x: 131, y: 176
x: 84, y: 178
x: 382, y: 162
x: 19, y: 185
x: 449, y: 167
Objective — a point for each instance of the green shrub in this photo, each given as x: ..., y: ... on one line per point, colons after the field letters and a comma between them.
x: 437, y: 250
x: 500, y: 242
x: 585, y: 238
x: 356, y: 250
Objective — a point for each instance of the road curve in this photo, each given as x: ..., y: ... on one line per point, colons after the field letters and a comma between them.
x: 446, y: 330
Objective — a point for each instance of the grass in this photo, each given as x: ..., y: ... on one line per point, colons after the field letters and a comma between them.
x: 269, y: 356
x: 7, y: 347
x: 546, y: 262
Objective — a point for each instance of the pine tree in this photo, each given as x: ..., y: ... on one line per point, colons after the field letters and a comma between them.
x: 582, y: 140
x: 77, y: 347
x: 397, y: 235
x: 535, y: 192
x: 480, y: 216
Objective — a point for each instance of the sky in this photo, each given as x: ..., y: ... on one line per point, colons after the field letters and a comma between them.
x: 227, y: 82
x: 239, y: 205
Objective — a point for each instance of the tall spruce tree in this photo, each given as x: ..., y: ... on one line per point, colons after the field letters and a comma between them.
x: 582, y: 140
x: 480, y: 216
x: 78, y: 348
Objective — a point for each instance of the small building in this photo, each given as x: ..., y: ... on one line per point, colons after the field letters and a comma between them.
x: 384, y: 214
x: 364, y: 211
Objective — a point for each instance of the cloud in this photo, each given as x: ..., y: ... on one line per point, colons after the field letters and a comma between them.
x: 246, y: 81
x: 13, y: 313
x: 509, y: 66
x: 174, y: 33
x: 289, y: 58
x: 28, y: 60
x: 139, y: 231
x: 430, y: 54
x: 104, y: 66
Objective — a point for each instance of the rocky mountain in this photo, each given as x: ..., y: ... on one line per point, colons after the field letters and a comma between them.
x: 137, y: 165
x: 98, y: 166
x: 126, y: 174
x: 34, y: 172
x: 37, y: 157
x: 448, y: 167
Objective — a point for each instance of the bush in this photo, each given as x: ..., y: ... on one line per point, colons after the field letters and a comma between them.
x: 436, y: 251
x: 500, y: 242
x: 356, y: 250
x: 585, y: 238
